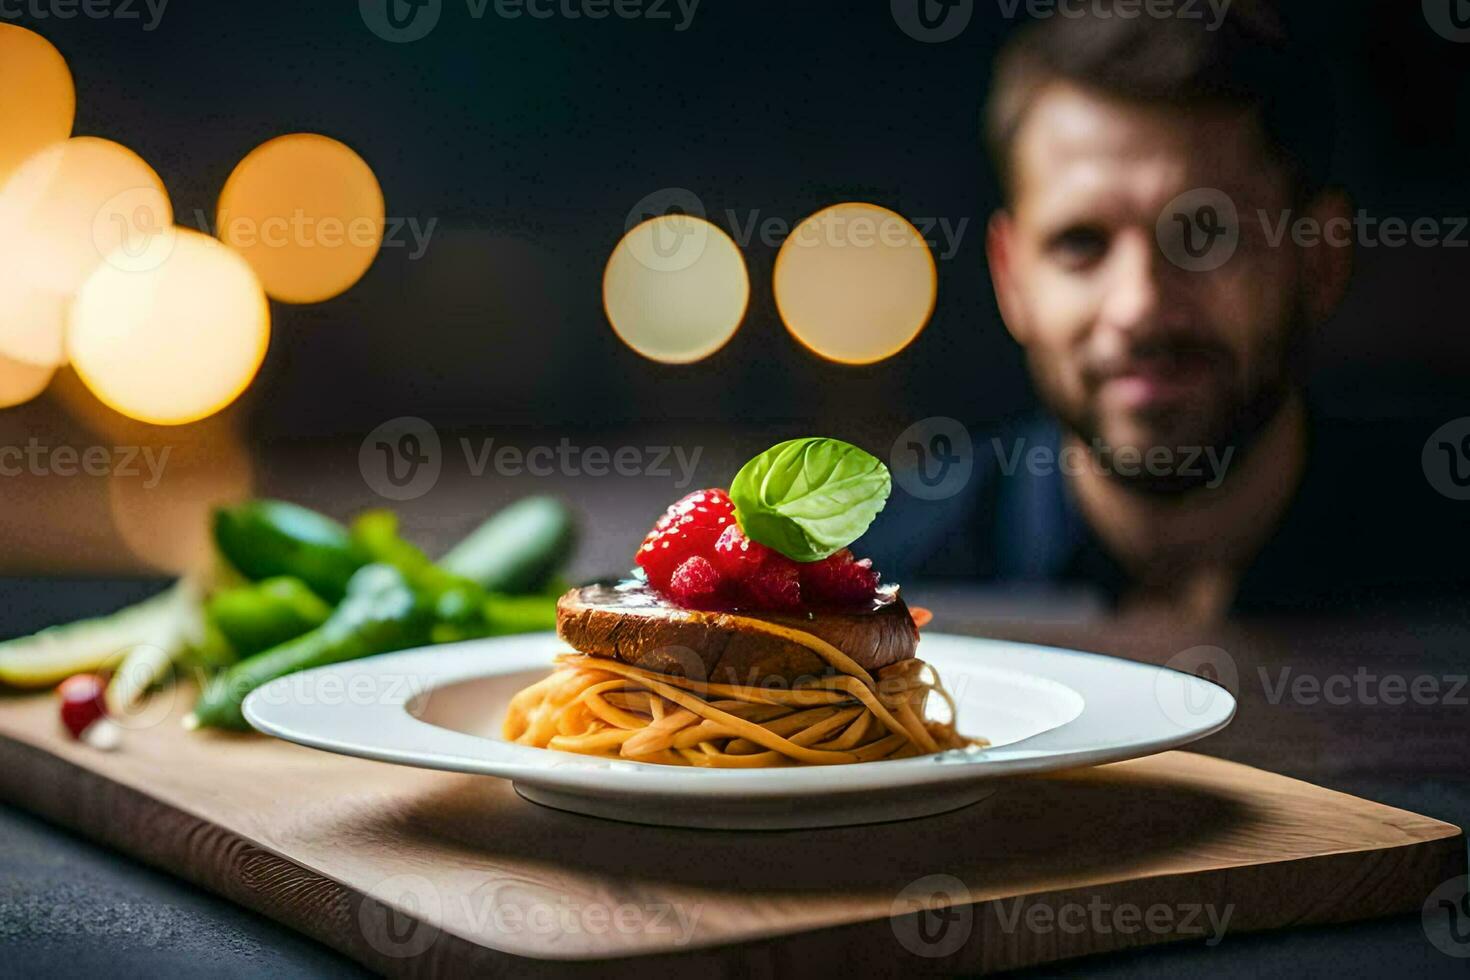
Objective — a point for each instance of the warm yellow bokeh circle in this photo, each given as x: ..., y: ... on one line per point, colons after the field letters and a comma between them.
x: 64, y: 212
x: 38, y: 102
x: 161, y: 508
x: 21, y: 381
x: 307, y: 213
x: 855, y: 283
x: 675, y: 289
x: 174, y: 343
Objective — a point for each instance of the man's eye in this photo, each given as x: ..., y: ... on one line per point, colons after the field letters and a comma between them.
x: 1078, y: 247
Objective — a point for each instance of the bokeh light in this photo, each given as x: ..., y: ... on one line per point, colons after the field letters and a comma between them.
x: 855, y: 283
x: 161, y: 506
x: 32, y: 322
x: 38, y: 101
x: 64, y: 212
x: 20, y: 381
x: 174, y: 343
x: 307, y: 213
x: 675, y: 288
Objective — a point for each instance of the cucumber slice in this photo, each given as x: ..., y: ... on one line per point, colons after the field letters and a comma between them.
x: 149, y: 661
x: 518, y: 549
x: 52, y: 655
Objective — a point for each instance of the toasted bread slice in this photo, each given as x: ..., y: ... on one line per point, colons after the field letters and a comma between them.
x: 636, y: 625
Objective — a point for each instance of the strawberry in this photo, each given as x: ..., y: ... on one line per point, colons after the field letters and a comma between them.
x: 690, y: 527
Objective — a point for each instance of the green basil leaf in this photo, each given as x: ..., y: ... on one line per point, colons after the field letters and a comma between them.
x: 809, y: 498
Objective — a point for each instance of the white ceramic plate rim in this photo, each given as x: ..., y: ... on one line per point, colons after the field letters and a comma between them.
x: 1129, y: 709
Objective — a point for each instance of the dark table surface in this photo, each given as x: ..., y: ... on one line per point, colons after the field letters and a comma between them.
x: 1319, y: 700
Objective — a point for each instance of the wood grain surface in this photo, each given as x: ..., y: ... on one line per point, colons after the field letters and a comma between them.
x: 420, y: 873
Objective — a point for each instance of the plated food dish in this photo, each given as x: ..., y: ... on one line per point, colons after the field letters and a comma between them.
x: 752, y: 636
x: 752, y: 674
x: 1043, y: 709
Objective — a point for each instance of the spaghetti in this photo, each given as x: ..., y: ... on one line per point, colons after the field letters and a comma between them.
x: 604, y: 707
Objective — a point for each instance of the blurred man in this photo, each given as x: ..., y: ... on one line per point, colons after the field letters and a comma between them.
x: 1147, y: 166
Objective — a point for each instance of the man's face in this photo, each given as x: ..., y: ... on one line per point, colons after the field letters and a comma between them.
x: 1126, y: 347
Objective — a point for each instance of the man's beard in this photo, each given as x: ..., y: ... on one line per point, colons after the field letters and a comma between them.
x: 1197, y: 444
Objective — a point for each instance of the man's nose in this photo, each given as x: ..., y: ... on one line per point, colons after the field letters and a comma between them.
x: 1137, y: 287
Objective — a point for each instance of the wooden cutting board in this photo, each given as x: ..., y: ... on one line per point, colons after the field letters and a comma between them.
x: 421, y: 873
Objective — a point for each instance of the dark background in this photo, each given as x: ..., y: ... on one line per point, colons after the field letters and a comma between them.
x: 530, y: 140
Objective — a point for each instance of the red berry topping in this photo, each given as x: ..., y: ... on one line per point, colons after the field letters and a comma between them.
x: 840, y: 579
x: 696, y: 583
x: 774, y: 585
x: 764, y: 578
x: 82, y: 702
x: 739, y: 557
x: 688, y: 528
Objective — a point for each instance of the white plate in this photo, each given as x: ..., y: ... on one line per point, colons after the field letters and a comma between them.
x: 1041, y: 708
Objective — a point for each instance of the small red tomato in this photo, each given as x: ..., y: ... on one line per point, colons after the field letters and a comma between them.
x: 82, y: 702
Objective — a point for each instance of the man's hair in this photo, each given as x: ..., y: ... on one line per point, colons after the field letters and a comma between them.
x: 1245, y: 62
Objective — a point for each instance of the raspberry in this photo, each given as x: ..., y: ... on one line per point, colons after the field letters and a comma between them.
x: 840, y: 579
x: 776, y: 584
x: 739, y: 557
x: 764, y: 578
x: 689, y: 527
x: 696, y: 583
